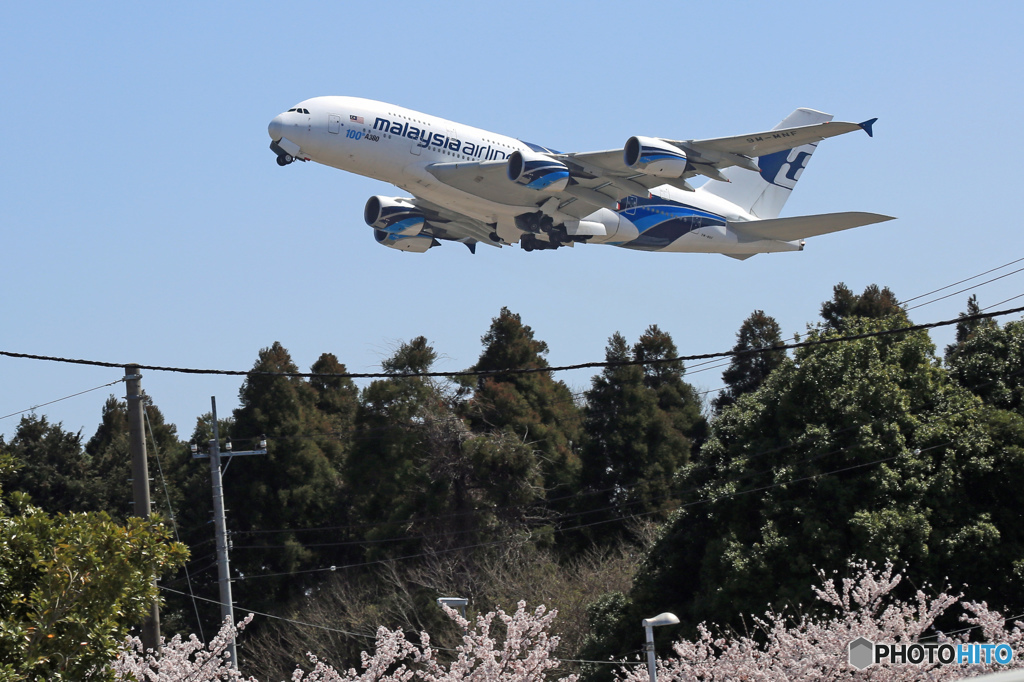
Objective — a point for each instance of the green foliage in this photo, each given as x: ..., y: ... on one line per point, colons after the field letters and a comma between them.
x: 421, y: 470
x: 863, y: 448
x: 535, y: 408
x: 640, y: 420
x: 874, y: 303
x: 52, y: 468
x: 989, y: 362
x: 297, y: 483
x: 748, y: 370
x: 72, y: 585
x: 965, y: 329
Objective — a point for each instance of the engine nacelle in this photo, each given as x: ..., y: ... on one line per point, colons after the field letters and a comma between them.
x: 416, y: 244
x: 654, y: 157
x: 394, y: 215
x: 538, y: 171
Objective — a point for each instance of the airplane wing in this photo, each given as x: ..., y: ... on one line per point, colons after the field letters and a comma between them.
x: 443, y: 223
x: 600, y: 179
x: 801, y: 227
x: 706, y: 157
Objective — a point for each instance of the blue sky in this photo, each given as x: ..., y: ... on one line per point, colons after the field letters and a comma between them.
x: 144, y: 219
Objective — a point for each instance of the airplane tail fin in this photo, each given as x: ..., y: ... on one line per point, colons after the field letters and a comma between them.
x: 764, y: 194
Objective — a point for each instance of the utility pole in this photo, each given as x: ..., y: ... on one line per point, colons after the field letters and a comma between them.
x: 140, y: 486
x: 227, y: 608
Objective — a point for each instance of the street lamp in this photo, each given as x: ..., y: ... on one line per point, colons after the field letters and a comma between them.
x: 454, y: 603
x: 649, y: 625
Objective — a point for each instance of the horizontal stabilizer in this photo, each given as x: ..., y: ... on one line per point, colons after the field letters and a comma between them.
x: 801, y: 227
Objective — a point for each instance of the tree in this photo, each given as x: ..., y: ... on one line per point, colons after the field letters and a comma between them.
x: 639, y: 423
x: 520, y: 649
x: 874, y: 303
x: 179, y: 659
x: 861, y: 448
x: 533, y: 407
x: 808, y: 646
x: 748, y: 370
x: 110, y: 459
x: 422, y: 470
x: 52, y: 468
x: 989, y: 362
x: 72, y: 585
x: 965, y: 329
x: 294, y: 486
x: 337, y: 398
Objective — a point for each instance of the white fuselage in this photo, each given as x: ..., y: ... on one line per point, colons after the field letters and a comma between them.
x: 395, y: 145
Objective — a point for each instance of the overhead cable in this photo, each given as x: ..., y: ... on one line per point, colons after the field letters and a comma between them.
x: 73, y: 395
x: 530, y: 370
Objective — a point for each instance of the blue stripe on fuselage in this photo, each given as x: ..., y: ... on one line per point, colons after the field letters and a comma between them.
x: 661, y: 222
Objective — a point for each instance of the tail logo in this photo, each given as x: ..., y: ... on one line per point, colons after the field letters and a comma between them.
x: 783, y: 169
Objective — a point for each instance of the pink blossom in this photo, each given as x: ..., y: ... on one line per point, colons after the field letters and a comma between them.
x: 182, y: 660
x: 816, y: 647
x: 519, y: 650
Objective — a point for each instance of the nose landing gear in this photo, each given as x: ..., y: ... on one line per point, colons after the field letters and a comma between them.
x: 283, y: 157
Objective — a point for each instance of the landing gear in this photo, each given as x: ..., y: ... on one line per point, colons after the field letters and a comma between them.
x: 529, y: 242
x: 283, y: 157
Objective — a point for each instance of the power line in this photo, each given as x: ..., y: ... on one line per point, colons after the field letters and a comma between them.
x: 584, y: 493
x: 1012, y: 298
x: 706, y: 500
x: 968, y: 279
x: 965, y: 290
x: 373, y: 637
x: 529, y: 370
x: 696, y: 488
x: 73, y: 395
x: 270, y: 615
x: 170, y: 512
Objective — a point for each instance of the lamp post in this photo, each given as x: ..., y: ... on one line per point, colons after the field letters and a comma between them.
x: 649, y: 625
x: 454, y: 603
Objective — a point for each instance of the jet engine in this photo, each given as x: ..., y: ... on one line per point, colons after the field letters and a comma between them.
x: 394, y: 215
x: 654, y: 157
x: 537, y: 171
x: 416, y: 244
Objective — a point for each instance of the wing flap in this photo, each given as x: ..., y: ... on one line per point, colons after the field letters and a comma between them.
x: 802, y: 227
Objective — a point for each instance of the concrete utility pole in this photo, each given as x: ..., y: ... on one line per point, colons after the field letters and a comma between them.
x: 227, y: 608
x: 140, y: 485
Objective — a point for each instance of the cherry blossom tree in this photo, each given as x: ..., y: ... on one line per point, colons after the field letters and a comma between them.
x: 816, y: 647
x: 182, y: 660
x: 518, y: 648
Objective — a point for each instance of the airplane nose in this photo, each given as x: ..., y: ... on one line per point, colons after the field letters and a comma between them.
x: 276, y: 128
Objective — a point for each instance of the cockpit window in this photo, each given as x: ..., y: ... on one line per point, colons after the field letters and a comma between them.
x: 297, y: 110
x: 290, y: 110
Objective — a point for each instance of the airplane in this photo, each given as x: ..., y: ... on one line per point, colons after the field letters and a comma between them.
x: 477, y: 187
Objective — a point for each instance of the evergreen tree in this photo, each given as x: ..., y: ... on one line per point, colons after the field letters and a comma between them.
x: 856, y: 449
x: 534, y: 408
x: 421, y: 470
x: 110, y: 459
x: 52, y: 468
x: 874, y: 303
x: 640, y: 420
x: 965, y: 329
x: 337, y: 398
x: 989, y: 362
x: 294, y: 486
x: 747, y: 371
x: 663, y: 375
